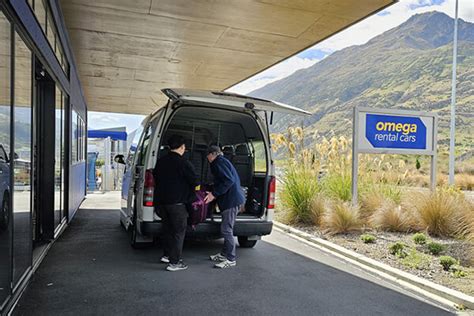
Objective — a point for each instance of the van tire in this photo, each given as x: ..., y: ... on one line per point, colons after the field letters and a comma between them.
x: 244, y: 242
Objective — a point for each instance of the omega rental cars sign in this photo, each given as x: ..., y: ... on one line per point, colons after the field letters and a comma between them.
x: 384, y: 131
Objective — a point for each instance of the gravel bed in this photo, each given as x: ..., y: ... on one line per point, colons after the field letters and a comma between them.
x: 431, y: 269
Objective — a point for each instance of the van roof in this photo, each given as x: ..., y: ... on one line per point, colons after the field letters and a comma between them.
x: 229, y: 99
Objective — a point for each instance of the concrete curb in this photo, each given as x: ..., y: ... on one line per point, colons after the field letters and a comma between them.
x: 443, y: 292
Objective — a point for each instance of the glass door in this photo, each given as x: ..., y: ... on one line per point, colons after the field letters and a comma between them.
x: 5, y: 161
x: 22, y: 160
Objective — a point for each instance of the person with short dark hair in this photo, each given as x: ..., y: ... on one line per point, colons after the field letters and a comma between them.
x: 230, y: 197
x: 175, y: 180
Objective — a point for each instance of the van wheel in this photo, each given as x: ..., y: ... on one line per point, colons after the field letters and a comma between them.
x: 244, y: 242
x: 5, y: 212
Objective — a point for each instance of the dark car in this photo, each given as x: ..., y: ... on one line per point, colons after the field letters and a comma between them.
x: 4, y: 188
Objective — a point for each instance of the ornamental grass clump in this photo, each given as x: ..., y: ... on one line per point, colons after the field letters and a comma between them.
x: 392, y: 217
x: 341, y: 217
x: 299, y: 190
x: 438, y: 212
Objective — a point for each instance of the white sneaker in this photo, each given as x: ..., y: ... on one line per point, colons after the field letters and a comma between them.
x: 218, y: 257
x: 225, y: 264
x: 165, y: 259
x: 176, y: 267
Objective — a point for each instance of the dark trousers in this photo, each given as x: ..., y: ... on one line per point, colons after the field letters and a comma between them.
x: 175, y: 221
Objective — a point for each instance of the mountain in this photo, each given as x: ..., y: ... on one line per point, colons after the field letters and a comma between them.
x: 407, y: 67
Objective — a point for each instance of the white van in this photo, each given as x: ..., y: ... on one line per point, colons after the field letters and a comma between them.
x: 239, y: 124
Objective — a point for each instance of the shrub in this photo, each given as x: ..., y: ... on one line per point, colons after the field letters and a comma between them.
x: 416, y: 260
x: 300, y: 186
x: 438, y: 212
x: 338, y: 186
x: 435, y: 248
x: 447, y: 262
x: 392, y: 218
x: 458, y: 273
x: 398, y: 249
x: 367, y: 238
x: 419, y: 238
x: 341, y: 218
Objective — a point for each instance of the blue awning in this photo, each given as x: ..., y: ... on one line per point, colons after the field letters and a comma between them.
x: 104, y: 134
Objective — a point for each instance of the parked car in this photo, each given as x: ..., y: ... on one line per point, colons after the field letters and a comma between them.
x: 4, y: 188
x: 239, y: 124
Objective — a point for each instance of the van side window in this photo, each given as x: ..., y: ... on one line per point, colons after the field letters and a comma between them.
x: 260, y: 156
x: 133, y: 147
x: 143, y: 149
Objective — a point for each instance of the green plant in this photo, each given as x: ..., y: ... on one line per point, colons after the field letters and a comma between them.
x: 435, y: 248
x: 447, y: 262
x: 459, y: 274
x: 338, y: 186
x: 300, y: 186
x: 367, y: 238
x: 416, y: 260
x: 398, y: 249
x: 419, y: 238
x: 341, y: 218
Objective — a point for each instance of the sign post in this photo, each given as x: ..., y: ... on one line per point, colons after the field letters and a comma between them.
x: 383, y: 131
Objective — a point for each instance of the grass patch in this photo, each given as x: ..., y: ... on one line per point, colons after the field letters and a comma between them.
x: 435, y: 248
x: 338, y: 186
x: 419, y: 238
x: 367, y: 238
x: 416, y: 260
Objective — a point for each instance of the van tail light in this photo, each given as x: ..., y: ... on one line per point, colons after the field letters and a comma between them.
x: 271, y: 193
x: 149, y: 188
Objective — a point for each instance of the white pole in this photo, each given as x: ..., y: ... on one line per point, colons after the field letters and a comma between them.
x: 453, y: 100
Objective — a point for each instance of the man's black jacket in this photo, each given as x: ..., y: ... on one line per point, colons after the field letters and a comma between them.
x: 175, y: 180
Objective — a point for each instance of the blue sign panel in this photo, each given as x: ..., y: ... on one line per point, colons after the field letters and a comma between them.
x: 399, y: 132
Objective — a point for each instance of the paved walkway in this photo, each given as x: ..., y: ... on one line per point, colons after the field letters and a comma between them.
x: 91, y: 270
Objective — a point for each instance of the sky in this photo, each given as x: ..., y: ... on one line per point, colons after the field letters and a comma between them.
x: 358, y: 34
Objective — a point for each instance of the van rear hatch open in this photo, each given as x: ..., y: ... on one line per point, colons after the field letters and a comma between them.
x: 233, y: 100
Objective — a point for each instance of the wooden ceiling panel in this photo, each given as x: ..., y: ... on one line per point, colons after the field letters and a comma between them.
x: 126, y: 51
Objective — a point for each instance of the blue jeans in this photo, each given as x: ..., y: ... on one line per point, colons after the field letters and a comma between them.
x: 227, y: 231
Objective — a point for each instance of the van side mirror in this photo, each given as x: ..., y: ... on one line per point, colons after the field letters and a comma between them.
x: 15, y: 156
x: 119, y: 159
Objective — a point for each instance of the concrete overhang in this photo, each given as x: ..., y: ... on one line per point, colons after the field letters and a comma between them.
x: 127, y: 51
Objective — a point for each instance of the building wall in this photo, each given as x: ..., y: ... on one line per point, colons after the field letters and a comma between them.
x: 54, y: 100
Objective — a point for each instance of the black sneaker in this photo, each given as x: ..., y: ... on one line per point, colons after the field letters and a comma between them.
x: 176, y: 267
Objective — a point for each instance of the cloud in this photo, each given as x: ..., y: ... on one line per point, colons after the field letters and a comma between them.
x: 100, y: 120
x: 274, y: 73
x: 358, y: 34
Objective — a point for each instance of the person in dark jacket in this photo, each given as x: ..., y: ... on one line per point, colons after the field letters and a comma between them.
x: 175, y: 181
x: 230, y: 197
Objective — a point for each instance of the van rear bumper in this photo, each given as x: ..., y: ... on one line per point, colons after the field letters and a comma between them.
x: 212, y: 229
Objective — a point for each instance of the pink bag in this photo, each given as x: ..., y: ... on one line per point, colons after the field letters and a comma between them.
x: 199, y: 209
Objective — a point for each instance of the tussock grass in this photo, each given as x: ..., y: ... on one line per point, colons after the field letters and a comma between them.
x: 300, y: 187
x: 341, y: 217
x: 318, y: 208
x: 392, y: 217
x: 338, y: 186
x: 438, y: 212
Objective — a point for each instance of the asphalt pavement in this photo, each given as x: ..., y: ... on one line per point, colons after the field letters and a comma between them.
x: 92, y: 270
